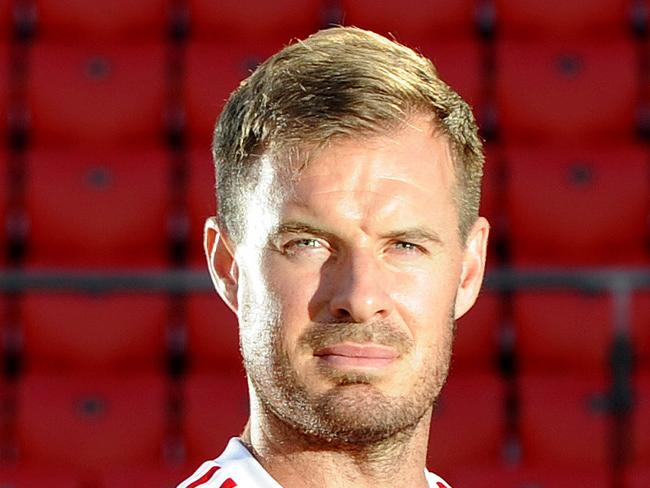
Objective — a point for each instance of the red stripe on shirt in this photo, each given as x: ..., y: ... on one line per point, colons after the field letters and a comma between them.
x: 441, y: 485
x: 205, y: 478
x: 229, y: 483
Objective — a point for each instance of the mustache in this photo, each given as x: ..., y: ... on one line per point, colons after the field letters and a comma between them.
x: 385, y: 333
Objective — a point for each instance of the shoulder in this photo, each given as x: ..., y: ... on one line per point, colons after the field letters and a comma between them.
x: 236, y: 467
x: 436, y: 481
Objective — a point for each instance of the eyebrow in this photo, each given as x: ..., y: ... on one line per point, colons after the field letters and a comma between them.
x: 295, y: 227
x: 418, y: 234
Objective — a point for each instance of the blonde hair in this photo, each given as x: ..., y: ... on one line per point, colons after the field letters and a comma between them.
x: 339, y: 82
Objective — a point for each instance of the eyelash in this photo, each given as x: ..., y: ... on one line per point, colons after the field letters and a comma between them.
x: 304, y: 240
x: 409, y: 246
x: 310, y: 243
x: 301, y: 243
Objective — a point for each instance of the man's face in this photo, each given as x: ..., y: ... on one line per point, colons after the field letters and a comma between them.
x: 348, y: 282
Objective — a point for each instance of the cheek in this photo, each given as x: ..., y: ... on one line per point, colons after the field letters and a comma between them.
x: 425, y: 300
x: 292, y: 292
x: 258, y: 310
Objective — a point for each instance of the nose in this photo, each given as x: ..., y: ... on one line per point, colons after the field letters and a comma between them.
x: 360, y: 290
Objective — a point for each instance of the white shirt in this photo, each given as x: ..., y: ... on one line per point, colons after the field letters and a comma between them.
x: 237, y: 467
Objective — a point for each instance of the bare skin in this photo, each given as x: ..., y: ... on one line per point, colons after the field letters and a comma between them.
x: 346, y: 288
x: 291, y: 458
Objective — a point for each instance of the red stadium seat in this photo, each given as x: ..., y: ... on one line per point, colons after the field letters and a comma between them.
x: 637, y: 477
x: 645, y: 86
x: 91, y: 423
x: 201, y: 200
x: 97, y: 207
x: 117, y: 19
x: 6, y: 332
x: 110, y: 94
x: 548, y: 91
x: 547, y: 19
x: 5, y: 91
x: 207, y: 428
x: 68, y: 331
x: 640, y: 442
x: 413, y: 20
x: 5, y: 191
x: 468, y: 423
x: 6, y: 394
x: 235, y: 21
x: 640, y: 321
x: 558, y: 332
x: 34, y: 476
x: 563, y: 422
x: 6, y: 18
x: 158, y: 476
x: 476, y: 341
x: 213, y: 72
x: 212, y: 334
x: 460, y: 64
x: 541, y: 477
x: 578, y: 206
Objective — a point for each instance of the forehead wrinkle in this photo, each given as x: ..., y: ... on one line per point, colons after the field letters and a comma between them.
x: 362, y: 207
x: 371, y: 219
x: 368, y: 175
x: 410, y: 183
x: 368, y: 208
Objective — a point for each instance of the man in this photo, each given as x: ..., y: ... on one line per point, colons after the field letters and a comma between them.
x: 348, y: 242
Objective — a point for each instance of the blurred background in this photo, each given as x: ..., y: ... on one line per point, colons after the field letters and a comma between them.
x: 120, y: 366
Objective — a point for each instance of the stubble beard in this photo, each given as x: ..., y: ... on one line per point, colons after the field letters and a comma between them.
x: 353, y: 412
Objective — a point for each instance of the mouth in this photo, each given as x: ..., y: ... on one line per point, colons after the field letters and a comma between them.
x: 349, y: 355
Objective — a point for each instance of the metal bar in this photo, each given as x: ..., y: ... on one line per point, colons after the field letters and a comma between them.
x: 507, y: 279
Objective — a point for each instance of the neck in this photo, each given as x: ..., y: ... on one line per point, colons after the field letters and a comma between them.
x: 297, y: 460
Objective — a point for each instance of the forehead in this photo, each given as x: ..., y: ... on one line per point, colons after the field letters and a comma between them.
x: 412, y: 164
x: 413, y: 151
x: 367, y: 186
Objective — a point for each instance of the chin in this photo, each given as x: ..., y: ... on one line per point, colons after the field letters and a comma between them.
x: 360, y: 413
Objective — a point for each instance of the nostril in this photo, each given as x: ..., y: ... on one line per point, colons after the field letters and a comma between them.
x: 342, y: 314
x: 359, y: 289
x: 356, y: 308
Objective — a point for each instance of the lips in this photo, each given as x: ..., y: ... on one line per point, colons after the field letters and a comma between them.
x: 357, y: 355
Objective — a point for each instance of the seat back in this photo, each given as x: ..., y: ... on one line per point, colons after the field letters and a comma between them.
x: 97, y: 93
x: 569, y: 91
x: 98, y: 208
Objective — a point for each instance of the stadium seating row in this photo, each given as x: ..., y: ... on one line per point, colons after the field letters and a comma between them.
x: 107, y: 95
x: 476, y: 477
x: 287, y: 18
x: 563, y: 422
x: 558, y: 205
x: 514, y: 19
x: 122, y: 93
x: 159, y: 476
x: 68, y: 332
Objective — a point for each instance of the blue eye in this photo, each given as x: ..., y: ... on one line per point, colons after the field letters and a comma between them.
x: 407, y: 245
x: 305, y: 243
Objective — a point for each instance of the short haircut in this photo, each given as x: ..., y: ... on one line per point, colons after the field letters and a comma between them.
x: 339, y: 82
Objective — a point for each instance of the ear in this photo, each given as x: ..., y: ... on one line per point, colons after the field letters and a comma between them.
x: 473, y: 264
x: 221, y: 263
